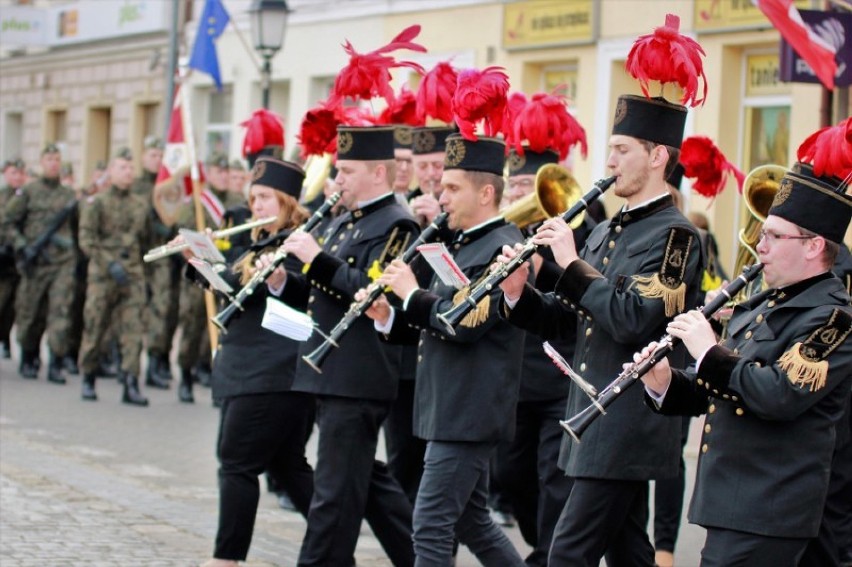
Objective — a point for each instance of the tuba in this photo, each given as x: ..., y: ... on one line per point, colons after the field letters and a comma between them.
x: 555, y: 191
x: 317, y: 170
x: 759, y: 189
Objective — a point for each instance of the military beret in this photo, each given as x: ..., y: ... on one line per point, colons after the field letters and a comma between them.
x: 218, y: 160
x: 237, y: 165
x: 17, y: 163
x: 153, y: 142
x: 124, y: 153
x: 50, y: 148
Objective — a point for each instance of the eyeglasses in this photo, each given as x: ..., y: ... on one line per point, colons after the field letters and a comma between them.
x: 772, y: 237
x: 520, y: 183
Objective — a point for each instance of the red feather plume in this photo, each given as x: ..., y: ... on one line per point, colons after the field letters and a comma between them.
x: 546, y: 124
x: 708, y: 166
x: 264, y: 128
x: 368, y: 75
x: 403, y: 110
x: 669, y: 57
x: 514, y: 106
x: 435, y: 94
x: 480, y: 95
x: 318, y: 132
x: 829, y: 150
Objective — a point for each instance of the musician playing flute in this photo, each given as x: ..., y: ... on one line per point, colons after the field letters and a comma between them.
x: 775, y: 390
x: 634, y: 273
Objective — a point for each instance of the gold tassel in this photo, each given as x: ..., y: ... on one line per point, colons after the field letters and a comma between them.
x: 803, y: 372
x: 477, y: 316
x: 652, y: 288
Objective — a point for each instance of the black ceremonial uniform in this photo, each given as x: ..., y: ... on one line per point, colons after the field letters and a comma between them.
x: 357, y: 384
x: 615, y: 300
x: 767, y: 445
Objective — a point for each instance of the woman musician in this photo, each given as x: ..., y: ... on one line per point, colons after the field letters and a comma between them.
x: 264, y: 425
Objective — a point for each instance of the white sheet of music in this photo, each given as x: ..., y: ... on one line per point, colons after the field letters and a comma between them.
x: 210, y: 274
x: 283, y: 320
x: 442, y: 262
x: 202, y: 246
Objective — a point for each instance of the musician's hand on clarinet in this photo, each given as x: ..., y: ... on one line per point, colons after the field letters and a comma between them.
x: 660, y: 376
x: 711, y: 295
x: 513, y: 285
x: 278, y: 277
x: 399, y: 277
x: 556, y: 234
x: 379, y: 310
x: 426, y: 206
x: 695, y: 332
x: 301, y: 245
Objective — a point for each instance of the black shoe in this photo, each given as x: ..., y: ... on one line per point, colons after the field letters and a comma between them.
x: 202, y: 375
x: 69, y: 363
x: 54, y: 370
x: 285, y: 503
x: 28, y: 368
x: 153, y: 377
x: 164, y: 369
x: 131, y: 394
x: 88, y: 391
x: 6, y: 350
x: 185, y: 387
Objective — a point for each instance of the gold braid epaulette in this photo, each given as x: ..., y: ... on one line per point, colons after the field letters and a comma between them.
x: 479, y: 315
x: 668, y: 283
x: 805, y: 362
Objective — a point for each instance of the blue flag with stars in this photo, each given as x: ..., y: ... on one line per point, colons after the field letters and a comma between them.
x: 212, y: 23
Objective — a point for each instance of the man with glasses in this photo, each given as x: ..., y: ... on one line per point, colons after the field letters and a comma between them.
x: 775, y: 390
x: 429, y: 146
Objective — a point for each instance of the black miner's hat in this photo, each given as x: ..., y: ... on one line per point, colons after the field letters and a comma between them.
x: 485, y: 154
x: 365, y: 143
x: 653, y: 119
x: 280, y: 175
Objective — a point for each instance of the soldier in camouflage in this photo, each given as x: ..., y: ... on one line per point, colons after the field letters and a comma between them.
x: 113, y: 228
x: 14, y: 173
x: 42, y: 300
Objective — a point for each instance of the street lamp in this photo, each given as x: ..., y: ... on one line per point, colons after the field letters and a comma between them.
x: 268, y: 22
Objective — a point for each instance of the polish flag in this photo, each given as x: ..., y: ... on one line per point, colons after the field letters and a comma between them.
x: 819, y: 54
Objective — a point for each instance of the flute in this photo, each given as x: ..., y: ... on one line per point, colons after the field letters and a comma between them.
x: 169, y: 249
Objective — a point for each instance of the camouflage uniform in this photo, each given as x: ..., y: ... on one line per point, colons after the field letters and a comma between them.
x: 9, y: 277
x: 43, y: 293
x: 113, y: 228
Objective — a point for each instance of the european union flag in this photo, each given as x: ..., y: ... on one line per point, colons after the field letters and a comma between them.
x: 213, y: 20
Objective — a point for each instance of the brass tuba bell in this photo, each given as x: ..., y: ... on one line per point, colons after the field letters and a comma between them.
x: 759, y: 189
x: 317, y: 170
x: 555, y: 191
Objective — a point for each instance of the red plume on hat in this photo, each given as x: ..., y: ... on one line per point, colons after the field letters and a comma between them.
x: 708, y: 166
x: 829, y: 150
x: 669, y: 57
x: 264, y: 128
x: 368, y: 75
x: 546, y: 124
x: 480, y: 95
x: 403, y: 110
x: 435, y: 94
x: 516, y: 102
x: 318, y: 132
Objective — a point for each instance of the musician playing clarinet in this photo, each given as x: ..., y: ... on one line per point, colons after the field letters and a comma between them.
x: 634, y: 273
x: 775, y: 390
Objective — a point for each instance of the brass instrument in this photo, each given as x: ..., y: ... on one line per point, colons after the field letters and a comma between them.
x: 317, y: 169
x: 318, y: 356
x: 453, y: 317
x: 223, y: 317
x: 759, y: 189
x: 580, y: 422
x: 555, y: 190
x: 169, y: 249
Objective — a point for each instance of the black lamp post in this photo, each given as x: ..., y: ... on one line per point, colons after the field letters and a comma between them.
x: 268, y: 22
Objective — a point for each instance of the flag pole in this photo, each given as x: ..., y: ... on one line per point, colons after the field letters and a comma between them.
x: 189, y: 140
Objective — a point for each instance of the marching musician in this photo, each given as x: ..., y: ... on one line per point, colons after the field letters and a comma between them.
x: 428, y: 148
x: 359, y: 378
x: 264, y: 424
x: 775, y: 390
x: 635, y: 272
x: 479, y: 367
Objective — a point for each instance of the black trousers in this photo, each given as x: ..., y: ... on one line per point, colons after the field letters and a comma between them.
x: 256, y: 433
x: 668, y: 500
x: 405, y: 451
x: 350, y: 485
x: 729, y: 548
x: 603, y: 517
x: 537, y: 490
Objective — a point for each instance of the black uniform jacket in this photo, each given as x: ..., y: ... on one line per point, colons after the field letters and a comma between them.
x: 613, y: 299
x: 353, y: 245
x: 467, y: 384
x: 768, y: 439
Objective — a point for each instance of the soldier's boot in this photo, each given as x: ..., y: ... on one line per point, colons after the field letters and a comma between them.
x: 54, y: 370
x: 106, y: 369
x: 6, y: 350
x: 88, y: 390
x: 29, y: 365
x: 185, y: 387
x: 132, y: 395
x: 165, y: 368
x: 69, y: 363
x: 153, y: 377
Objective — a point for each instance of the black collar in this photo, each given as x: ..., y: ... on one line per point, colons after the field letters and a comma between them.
x: 465, y: 237
x: 379, y: 203
x: 626, y: 217
x: 788, y: 292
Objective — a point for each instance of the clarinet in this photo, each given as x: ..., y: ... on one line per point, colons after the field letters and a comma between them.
x: 578, y: 424
x: 453, y: 316
x: 222, y: 319
x: 374, y: 290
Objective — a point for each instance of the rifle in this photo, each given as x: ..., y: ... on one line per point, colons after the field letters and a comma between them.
x: 30, y: 253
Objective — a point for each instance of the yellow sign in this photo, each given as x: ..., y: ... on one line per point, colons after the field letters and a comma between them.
x: 547, y: 23
x: 724, y: 15
x: 562, y: 77
x: 762, y: 76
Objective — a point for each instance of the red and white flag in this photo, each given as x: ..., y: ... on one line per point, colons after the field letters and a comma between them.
x: 818, y: 53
